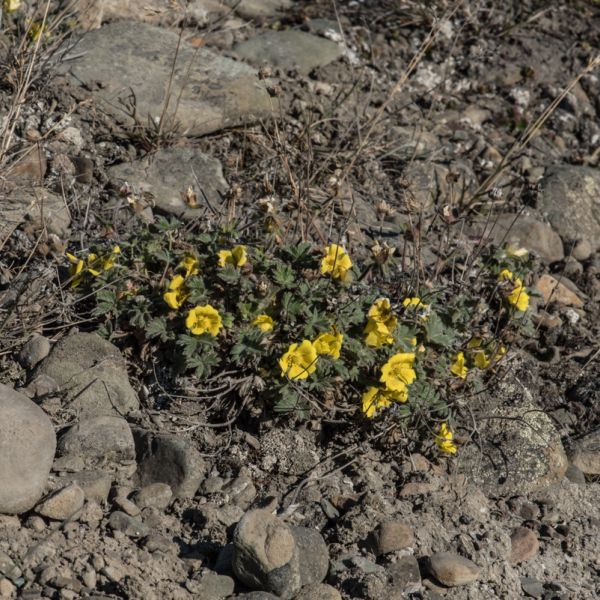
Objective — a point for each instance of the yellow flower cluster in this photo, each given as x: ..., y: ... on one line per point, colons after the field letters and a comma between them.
x: 177, y: 292
x: 264, y: 322
x: 10, y: 6
x: 337, y: 262
x: 236, y: 257
x: 381, y: 323
x: 396, y: 375
x: 517, y: 296
x: 300, y: 360
x: 477, y: 355
x: 444, y: 440
x: 93, y: 264
x: 416, y: 305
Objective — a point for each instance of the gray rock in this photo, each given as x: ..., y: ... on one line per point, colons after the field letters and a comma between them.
x: 251, y: 9
x: 167, y: 175
x: 271, y: 556
x: 103, y: 437
x: 92, y: 373
x: 569, y: 200
x: 171, y: 460
x: 404, y: 576
x: 391, y: 536
x: 155, y: 495
x: 575, y: 475
x: 289, y: 50
x: 519, y: 449
x: 256, y: 596
x: 95, y: 484
x: 41, y: 386
x: 320, y: 591
x: 214, y: 587
x: 208, y: 93
x: 584, y: 453
x: 524, y: 231
x: 532, y: 587
x: 241, y: 491
x: 27, y: 446
x: 263, y: 546
x: 34, y: 351
x: 38, y: 205
x: 8, y: 568
x: 63, y: 504
x: 582, y: 250
x: 453, y: 570
x: 130, y: 526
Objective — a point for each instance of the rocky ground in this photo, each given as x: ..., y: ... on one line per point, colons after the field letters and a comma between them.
x: 111, y: 485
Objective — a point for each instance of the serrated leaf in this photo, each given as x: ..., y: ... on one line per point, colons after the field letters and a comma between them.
x: 157, y: 328
x: 229, y: 275
x: 437, y: 333
x: 315, y: 323
x: 250, y: 347
x: 284, y: 276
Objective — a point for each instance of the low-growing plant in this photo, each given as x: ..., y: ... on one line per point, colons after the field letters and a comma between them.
x: 302, y: 329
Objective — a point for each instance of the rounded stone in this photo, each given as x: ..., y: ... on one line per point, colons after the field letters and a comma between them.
x: 582, y: 250
x: 155, y: 495
x: 524, y: 545
x: 27, y: 446
x: 321, y: 591
x: 452, y: 570
x: 62, y: 504
x: 34, y: 351
x: 105, y: 436
x: 391, y: 536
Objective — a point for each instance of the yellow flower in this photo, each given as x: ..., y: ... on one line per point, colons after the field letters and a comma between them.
x: 177, y: 293
x: 444, y: 438
x: 416, y: 304
x: 377, y: 334
x: 204, y: 319
x: 336, y: 262
x: 481, y: 359
x: 518, y: 297
x: 458, y: 367
x: 381, y: 312
x: 374, y: 399
x: 329, y: 343
x: 299, y: 361
x: 236, y: 257
x: 75, y: 270
x: 10, y: 6
x: 190, y: 265
x: 398, y: 371
x: 264, y: 322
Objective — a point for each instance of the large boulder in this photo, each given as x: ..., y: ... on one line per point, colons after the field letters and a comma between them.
x: 92, y: 374
x: 271, y: 556
x: 570, y: 200
x: 27, y: 446
x: 127, y: 65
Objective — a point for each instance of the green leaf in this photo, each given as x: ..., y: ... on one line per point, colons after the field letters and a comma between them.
x: 290, y: 306
x: 157, y: 328
x: 106, y: 301
x: 250, y: 348
x: 315, y: 323
x: 289, y: 400
x: 437, y: 333
x: 229, y: 275
x: 197, y: 290
x: 284, y: 276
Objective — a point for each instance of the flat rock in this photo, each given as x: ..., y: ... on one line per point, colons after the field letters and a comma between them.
x: 251, y: 9
x: 570, y: 200
x: 208, y: 92
x: 157, y: 12
x: 524, y: 545
x: 155, y: 495
x: 106, y: 436
x: 584, y: 453
x: 167, y: 175
x: 63, y: 504
x: 92, y: 373
x: 171, y: 460
x: 404, y: 576
x: 288, y: 50
x: 95, y: 484
x: 391, y: 536
x: 38, y: 205
x: 519, y: 449
x: 452, y: 570
x: 524, y: 231
x: 27, y: 446
x: 212, y: 586
x: 320, y: 591
x: 130, y: 526
x: 553, y: 290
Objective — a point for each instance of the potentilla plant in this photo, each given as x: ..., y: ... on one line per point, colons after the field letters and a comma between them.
x: 301, y: 325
